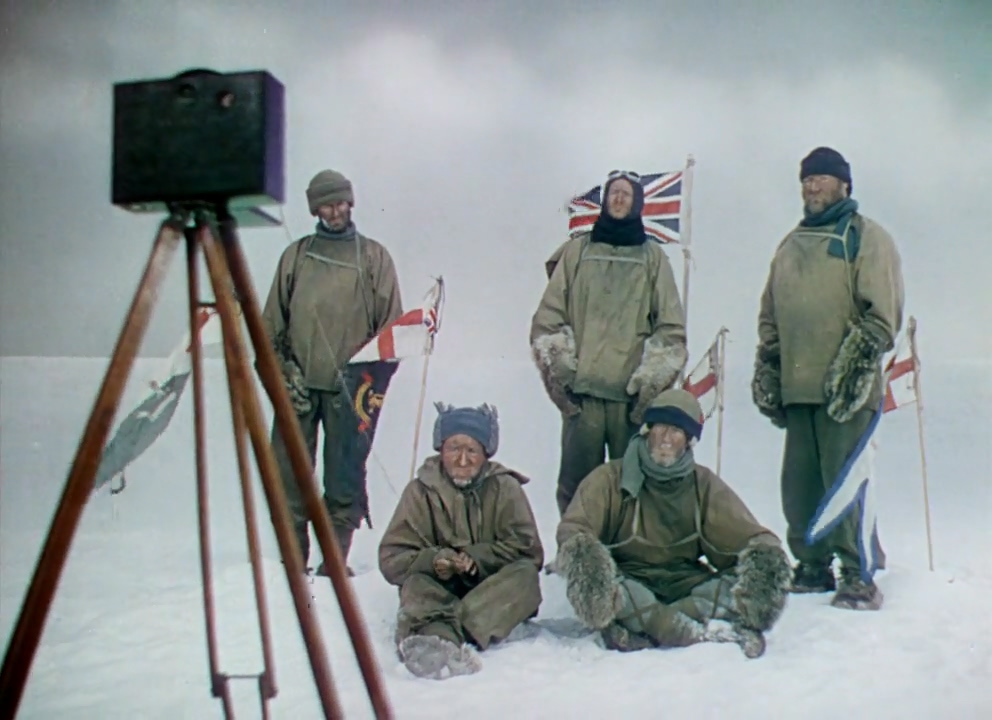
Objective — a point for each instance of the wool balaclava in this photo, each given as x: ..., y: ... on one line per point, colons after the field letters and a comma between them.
x: 826, y: 161
x: 625, y: 231
x: 479, y: 423
x: 678, y: 408
x: 329, y: 186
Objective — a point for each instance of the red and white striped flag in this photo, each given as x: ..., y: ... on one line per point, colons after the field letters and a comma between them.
x: 704, y: 380
x: 901, y: 387
x: 411, y: 334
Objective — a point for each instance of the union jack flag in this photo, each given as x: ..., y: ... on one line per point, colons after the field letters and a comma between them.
x: 661, y: 214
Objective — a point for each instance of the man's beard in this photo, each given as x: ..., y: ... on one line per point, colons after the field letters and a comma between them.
x: 665, y: 455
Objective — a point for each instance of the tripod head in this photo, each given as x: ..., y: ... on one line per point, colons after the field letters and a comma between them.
x: 200, y: 140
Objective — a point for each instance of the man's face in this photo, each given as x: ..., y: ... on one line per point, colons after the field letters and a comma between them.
x: 620, y: 198
x: 666, y: 443
x: 462, y: 458
x: 335, y: 215
x: 822, y: 191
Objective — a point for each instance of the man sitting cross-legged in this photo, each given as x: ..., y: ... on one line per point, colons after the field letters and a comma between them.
x: 463, y: 548
x: 632, y: 540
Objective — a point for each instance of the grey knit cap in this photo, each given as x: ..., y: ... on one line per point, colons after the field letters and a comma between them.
x: 329, y: 186
x: 480, y: 423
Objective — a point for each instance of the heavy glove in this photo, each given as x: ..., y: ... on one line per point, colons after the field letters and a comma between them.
x: 299, y: 393
x: 556, y: 359
x: 851, y: 375
x: 660, y: 366
x: 766, y: 390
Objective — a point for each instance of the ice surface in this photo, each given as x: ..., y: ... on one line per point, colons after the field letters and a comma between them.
x: 125, y: 636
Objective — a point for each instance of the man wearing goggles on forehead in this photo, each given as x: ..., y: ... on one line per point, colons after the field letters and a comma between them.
x: 608, y: 335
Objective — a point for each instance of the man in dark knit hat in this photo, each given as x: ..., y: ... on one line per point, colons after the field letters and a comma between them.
x: 608, y: 334
x: 832, y: 306
x: 334, y: 290
x: 631, y: 545
x: 463, y: 548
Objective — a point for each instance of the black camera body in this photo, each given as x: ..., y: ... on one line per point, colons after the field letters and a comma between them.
x: 200, y: 137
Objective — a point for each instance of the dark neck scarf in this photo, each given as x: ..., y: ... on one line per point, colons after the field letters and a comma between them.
x: 627, y: 232
x: 839, y: 216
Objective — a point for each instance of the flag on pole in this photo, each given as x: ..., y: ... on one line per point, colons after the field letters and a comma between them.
x: 900, y: 390
x: 372, y: 367
x: 661, y: 214
x: 411, y: 334
x: 704, y: 380
x: 855, y: 484
x: 146, y: 423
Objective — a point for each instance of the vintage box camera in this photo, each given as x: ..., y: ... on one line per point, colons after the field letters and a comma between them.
x: 200, y: 137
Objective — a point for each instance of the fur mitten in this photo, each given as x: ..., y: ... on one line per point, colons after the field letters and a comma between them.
x: 660, y: 366
x: 592, y: 580
x: 292, y: 375
x: 766, y: 390
x: 299, y: 393
x: 851, y: 375
x: 761, y: 590
x: 557, y: 361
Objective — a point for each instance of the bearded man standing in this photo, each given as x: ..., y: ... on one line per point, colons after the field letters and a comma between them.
x: 608, y: 334
x: 463, y: 548
x: 631, y: 541
x: 832, y: 306
x: 333, y: 291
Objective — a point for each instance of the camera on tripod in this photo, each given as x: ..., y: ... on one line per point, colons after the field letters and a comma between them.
x: 200, y: 137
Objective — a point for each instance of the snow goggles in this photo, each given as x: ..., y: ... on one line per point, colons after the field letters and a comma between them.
x: 627, y: 174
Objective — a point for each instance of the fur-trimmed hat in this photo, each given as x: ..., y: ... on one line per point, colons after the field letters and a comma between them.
x: 329, y: 186
x: 676, y: 407
x: 826, y: 161
x: 479, y: 423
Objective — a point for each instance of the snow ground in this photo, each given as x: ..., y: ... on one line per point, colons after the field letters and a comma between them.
x: 125, y: 636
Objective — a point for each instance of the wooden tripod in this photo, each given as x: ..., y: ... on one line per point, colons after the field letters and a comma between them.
x: 230, y: 277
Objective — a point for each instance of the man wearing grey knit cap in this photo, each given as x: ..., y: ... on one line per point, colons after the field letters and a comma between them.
x: 832, y: 305
x: 463, y: 548
x: 334, y: 290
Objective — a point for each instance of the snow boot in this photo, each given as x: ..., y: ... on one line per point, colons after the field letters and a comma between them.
x: 617, y: 637
x: 434, y: 658
x: 812, y: 578
x: 750, y: 640
x: 854, y: 593
x: 343, y: 535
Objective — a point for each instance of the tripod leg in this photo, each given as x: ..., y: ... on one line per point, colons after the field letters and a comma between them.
x: 278, y: 507
x: 267, y: 682
x: 217, y: 680
x: 289, y: 427
x: 38, y: 599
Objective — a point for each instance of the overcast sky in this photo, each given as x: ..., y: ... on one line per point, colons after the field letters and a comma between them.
x: 466, y: 128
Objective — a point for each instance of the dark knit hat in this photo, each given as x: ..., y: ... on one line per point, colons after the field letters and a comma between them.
x: 480, y: 423
x: 329, y: 186
x: 678, y: 408
x: 826, y: 161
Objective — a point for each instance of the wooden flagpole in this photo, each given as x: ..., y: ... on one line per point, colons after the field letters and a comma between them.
x: 719, y: 397
x: 685, y: 239
x: 918, y: 391
x: 439, y: 287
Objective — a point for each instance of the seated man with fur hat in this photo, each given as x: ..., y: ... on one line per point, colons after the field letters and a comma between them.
x: 463, y: 547
x: 632, y: 545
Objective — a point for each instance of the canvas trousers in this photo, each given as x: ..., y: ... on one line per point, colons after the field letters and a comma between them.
x: 482, y: 614
x: 816, y: 448
x: 676, y: 624
x: 603, y: 427
x: 345, y: 452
